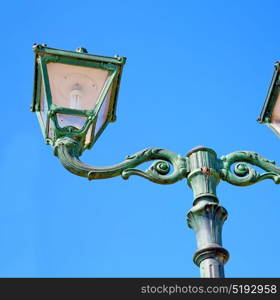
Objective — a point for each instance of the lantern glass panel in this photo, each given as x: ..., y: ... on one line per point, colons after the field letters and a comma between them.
x: 70, y: 120
x: 103, y: 112
x: 51, y: 130
x: 88, y: 136
x: 75, y: 87
x: 43, y: 105
x: 275, y: 117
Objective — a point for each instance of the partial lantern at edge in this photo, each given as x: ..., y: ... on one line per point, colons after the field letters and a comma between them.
x: 270, y: 114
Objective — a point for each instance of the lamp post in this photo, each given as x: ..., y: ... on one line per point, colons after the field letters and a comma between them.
x: 75, y: 96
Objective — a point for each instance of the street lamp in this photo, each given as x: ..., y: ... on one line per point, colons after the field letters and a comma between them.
x: 75, y: 98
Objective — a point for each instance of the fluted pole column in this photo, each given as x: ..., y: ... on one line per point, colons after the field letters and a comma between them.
x: 206, y: 217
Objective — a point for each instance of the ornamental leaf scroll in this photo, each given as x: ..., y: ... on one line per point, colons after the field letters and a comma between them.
x: 159, y: 172
x: 243, y: 174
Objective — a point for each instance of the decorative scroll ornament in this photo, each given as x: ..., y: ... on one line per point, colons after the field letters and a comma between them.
x: 68, y: 152
x: 243, y: 174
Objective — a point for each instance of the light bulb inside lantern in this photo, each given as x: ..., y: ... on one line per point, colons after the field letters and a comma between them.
x: 76, y: 97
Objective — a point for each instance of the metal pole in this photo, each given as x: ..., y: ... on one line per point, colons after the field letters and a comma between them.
x: 206, y: 217
x: 203, y: 171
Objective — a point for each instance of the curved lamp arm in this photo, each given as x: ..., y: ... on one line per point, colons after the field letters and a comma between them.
x: 68, y: 150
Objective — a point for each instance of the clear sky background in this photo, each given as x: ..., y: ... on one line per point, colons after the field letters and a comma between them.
x: 197, y: 74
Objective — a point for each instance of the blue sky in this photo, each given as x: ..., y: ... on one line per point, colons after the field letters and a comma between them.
x: 197, y: 74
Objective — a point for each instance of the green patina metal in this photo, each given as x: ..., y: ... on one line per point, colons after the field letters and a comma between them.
x: 68, y: 151
x: 244, y: 174
x: 234, y: 168
x: 203, y: 171
x: 45, y: 55
x: 201, y: 167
